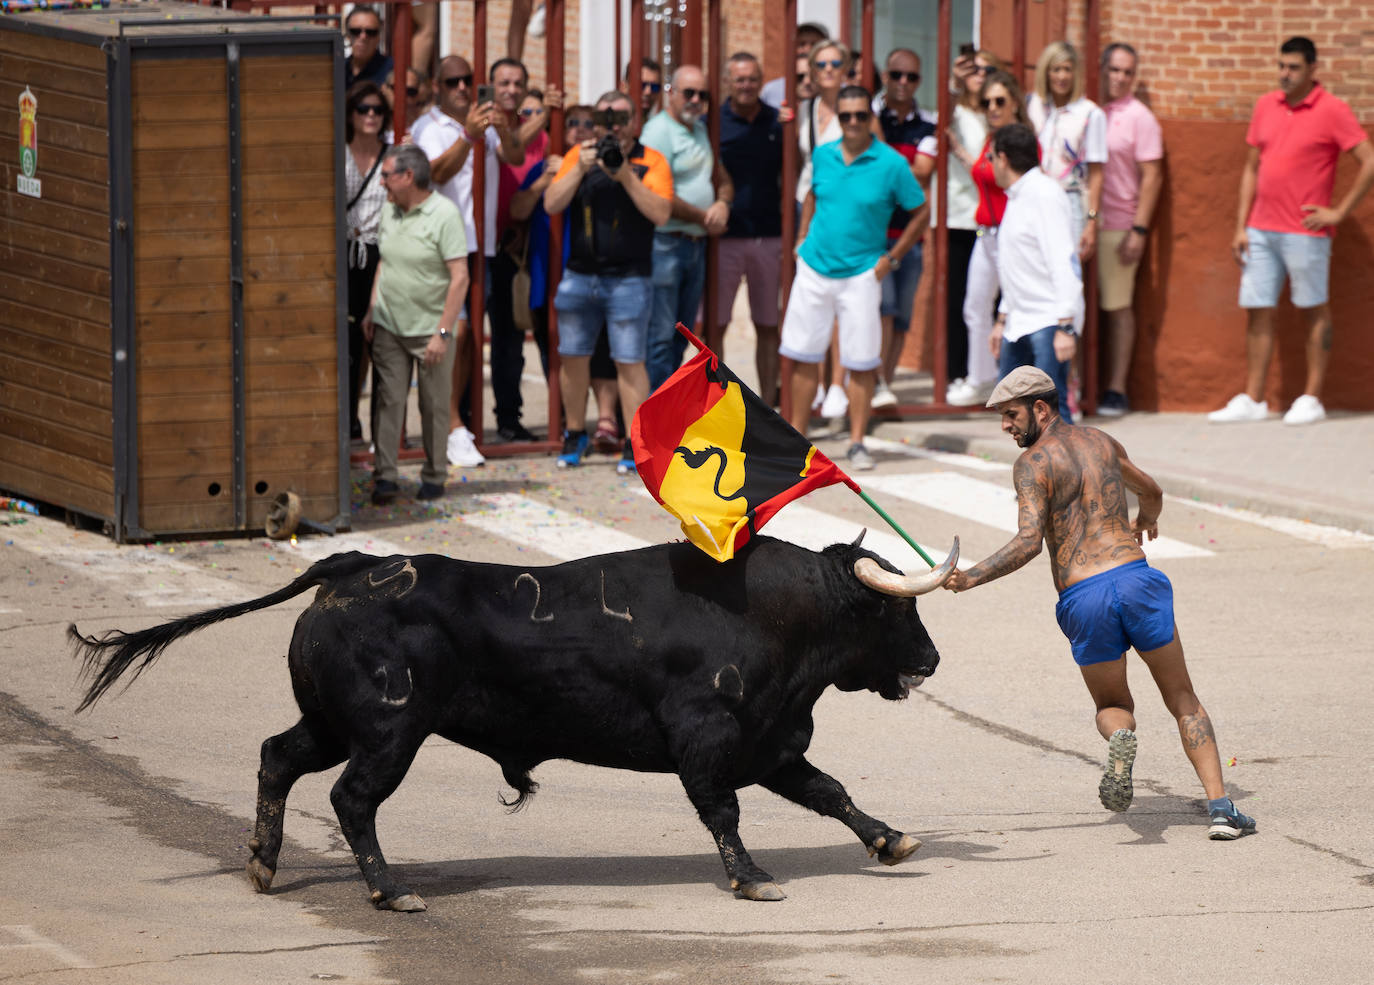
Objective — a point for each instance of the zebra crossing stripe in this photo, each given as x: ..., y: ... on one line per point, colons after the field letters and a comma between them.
x: 990, y: 504
x: 545, y: 528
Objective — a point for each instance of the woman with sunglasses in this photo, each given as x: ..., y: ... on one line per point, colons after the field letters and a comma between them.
x: 367, y: 116
x: 968, y: 129
x: 1073, y: 137
x: 1002, y: 103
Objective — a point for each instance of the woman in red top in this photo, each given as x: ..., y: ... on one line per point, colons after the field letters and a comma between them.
x: 1004, y: 104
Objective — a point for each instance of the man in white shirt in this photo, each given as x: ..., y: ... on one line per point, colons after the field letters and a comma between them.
x: 1037, y: 264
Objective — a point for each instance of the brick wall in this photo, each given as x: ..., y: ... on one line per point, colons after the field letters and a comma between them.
x: 1206, y: 61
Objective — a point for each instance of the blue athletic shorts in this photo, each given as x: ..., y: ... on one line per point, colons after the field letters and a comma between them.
x: 1107, y: 614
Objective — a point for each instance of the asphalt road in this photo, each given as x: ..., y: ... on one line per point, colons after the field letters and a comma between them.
x: 124, y: 828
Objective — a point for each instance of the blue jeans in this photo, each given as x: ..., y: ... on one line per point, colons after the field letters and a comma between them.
x: 899, y: 288
x: 679, y: 278
x: 585, y: 302
x: 1037, y: 349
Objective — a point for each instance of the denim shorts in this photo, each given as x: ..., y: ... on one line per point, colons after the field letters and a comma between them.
x: 899, y: 289
x: 585, y: 302
x: 1304, y: 260
x: 1107, y: 614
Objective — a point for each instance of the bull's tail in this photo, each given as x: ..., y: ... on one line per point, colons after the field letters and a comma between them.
x: 109, y: 657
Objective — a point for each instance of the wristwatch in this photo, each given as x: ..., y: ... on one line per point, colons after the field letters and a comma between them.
x: 892, y: 262
x: 1143, y: 230
x: 1092, y: 215
x: 444, y: 333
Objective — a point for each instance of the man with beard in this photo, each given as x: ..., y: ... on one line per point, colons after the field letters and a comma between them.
x: 1071, y: 485
x: 702, y: 195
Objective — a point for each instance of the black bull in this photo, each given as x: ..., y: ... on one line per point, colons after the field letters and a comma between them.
x: 658, y: 660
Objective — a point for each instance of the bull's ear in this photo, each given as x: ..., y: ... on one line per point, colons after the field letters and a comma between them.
x: 859, y: 539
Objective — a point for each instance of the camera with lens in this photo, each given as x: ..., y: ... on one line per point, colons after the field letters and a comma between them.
x: 608, y: 152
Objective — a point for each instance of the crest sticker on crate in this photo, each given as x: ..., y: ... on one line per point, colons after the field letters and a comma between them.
x: 28, y: 182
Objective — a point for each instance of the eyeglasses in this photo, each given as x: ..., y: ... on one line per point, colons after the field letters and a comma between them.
x: 412, y: 91
x: 912, y: 77
x: 530, y: 112
x: 454, y: 81
x: 692, y: 95
x: 369, y: 109
x: 387, y: 175
x: 581, y: 123
x: 830, y: 63
x: 982, y: 69
x: 358, y: 32
x: 998, y: 101
x: 654, y: 87
x: 859, y: 116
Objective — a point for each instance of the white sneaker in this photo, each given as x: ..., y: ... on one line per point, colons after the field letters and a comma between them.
x: 462, y: 449
x: 1307, y: 409
x: 968, y: 394
x: 835, y: 404
x: 1241, y: 408
x: 820, y: 398
x: 883, y: 396
x: 536, y: 24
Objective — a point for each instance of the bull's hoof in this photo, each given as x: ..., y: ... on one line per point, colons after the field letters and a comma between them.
x: 763, y: 892
x: 260, y: 874
x: 898, y: 851
x: 405, y: 903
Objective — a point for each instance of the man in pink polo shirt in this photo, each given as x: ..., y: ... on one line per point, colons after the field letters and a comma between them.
x: 1286, y: 221
x: 1131, y: 180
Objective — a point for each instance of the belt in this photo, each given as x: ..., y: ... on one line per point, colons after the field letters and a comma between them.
x: 677, y: 233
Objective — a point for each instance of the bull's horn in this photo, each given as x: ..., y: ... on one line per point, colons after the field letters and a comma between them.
x: 872, y: 574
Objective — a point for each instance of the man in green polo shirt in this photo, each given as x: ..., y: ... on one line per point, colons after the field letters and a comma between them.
x: 858, y: 182
x: 417, y: 299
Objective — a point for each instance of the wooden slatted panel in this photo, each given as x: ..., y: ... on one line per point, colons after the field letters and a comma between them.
x: 182, y: 299
x: 290, y: 283
x: 56, y: 425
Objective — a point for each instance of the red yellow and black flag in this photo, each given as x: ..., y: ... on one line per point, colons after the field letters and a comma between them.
x: 718, y: 458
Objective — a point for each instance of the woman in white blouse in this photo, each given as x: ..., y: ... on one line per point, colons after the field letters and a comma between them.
x: 1073, y: 137
x: 366, y: 117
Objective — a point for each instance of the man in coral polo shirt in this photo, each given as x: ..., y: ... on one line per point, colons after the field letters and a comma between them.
x: 1286, y: 220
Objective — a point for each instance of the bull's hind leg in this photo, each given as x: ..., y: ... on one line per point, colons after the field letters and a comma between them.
x: 285, y: 759
x: 802, y: 783
x: 371, y: 776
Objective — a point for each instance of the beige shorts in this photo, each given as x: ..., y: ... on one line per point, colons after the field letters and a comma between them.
x: 1115, y: 280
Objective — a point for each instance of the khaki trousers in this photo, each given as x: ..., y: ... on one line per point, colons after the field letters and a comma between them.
x: 393, y: 355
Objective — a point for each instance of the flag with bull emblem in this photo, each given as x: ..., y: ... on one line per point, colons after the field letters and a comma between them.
x: 718, y: 458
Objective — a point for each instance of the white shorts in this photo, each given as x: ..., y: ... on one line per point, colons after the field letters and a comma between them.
x: 817, y: 301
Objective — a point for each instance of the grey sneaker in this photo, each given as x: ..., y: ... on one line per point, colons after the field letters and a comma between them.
x: 1230, y: 826
x: 859, y: 458
x: 1115, y: 791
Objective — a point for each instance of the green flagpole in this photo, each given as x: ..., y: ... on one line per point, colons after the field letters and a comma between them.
x: 893, y: 524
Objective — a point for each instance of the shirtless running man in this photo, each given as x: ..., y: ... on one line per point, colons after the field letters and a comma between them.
x: 1071, y: 485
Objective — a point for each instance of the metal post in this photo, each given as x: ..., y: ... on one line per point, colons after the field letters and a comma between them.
x: 1092, y: 43
x: 1018, y: 41
x: 401, y: 29
x: 555, y: 13
x: 789, y: 189
x: 691, y: 34
x: 867, y: 43
x: 477, y: 290
x: 846, y: 23
x: 944, y: 108
x: 714, y: 330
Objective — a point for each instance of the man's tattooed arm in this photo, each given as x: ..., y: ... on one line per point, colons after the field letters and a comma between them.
x: 1031, y: 479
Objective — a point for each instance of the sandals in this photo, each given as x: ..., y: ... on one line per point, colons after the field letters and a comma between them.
x: 607, y: 437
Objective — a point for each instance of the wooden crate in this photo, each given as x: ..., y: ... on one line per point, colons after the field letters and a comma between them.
x: 172, y: 338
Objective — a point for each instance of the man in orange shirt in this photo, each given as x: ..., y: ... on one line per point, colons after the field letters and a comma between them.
x: 617, y: 192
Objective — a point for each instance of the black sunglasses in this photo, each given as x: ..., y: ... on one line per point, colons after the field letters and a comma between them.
x: 654, y: 87
x: 370, y: 109
x: 691, y: 95
x: 859, y: 116
x: 412, y: 91
x: 610, y: 117
x: 357, y: 32
x: 454, y: 81
x: 982, y: 69
x: 912, y: 77
x: 998, y: 101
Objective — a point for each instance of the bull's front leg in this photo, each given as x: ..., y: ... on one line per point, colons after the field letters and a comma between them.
x: 802, y: 783
x: 703, y: 769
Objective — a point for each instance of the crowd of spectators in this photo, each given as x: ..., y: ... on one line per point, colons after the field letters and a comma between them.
x: 1040, y: 185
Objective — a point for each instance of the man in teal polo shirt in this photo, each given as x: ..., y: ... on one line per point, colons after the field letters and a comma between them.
x: 842, y: 259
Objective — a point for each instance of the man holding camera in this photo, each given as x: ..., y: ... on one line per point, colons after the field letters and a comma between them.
x: 702, y: 194
x: 618, y: 191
